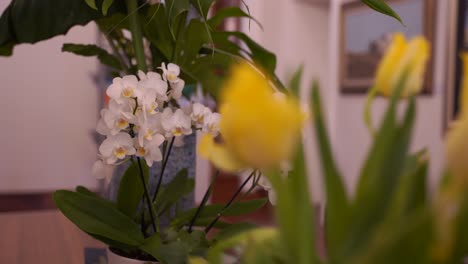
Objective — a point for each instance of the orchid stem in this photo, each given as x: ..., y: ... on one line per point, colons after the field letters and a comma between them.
x: 163, y: 168
x: 146, y: 194
x: 203, y: 203
x: 208, y: 228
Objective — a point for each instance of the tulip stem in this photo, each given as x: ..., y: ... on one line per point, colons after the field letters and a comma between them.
x: 368, y: 111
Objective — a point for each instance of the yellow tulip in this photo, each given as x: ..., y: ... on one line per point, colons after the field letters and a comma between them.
x: 457, y: 137
x: 403, y: 58
x: 259, y: 129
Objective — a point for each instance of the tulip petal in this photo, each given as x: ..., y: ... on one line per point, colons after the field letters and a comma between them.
x: 218, y: 154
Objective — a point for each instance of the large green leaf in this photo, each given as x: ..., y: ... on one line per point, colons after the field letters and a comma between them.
x: 210, y: 71
x: 176, y: 8
x: 337, y: 209
x: 96, y: 217
x: 217, y: 19
x: 382, y: 7
x: 302, y: 210
x: 157, y: 30
x: 259, y: 55
x: 92, y: 50
x: 190, y: 43
x: 175, y: 190
x: 238, y: 208
x: 26, y: 21
x: 131, y: 188
x: 202, y: 6
x: 152, y: 246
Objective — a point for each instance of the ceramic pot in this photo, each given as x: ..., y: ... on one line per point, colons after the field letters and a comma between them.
x: 113, y: 258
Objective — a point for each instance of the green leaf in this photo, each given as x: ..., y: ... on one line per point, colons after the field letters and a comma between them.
x: 96, y: 217
x: 263, y: 58
x: 92, y: 50
x: 208, y: 211
x: 337, y: 209
x: 86, y: 191
x: 26, y: 21
x: 205, y: 221
x: 294, y: 211
x: 131, y: 188
x: 381, y: 174
x: 218, y: 18
x: 157, y: 30
x: 250, y: 239
x: 175, y: 8
x: 295, y: 82
x: 152, y: 246
x: 189, y: 46
x: 175, y: 190
x: 461, y: 232
x: 202, y: 6
x: 105, y: 6
x: 382, y: 7
x: 91, y: 3
x: 210, y: 71
x: 234, y: 230
x: 407, y: 241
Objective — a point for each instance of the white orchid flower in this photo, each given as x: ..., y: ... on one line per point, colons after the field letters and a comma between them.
x: 123, y: 88
x: 101, y: 170
x: 176, y: 124
x: 171, y: 73
x: 199, y: 114
x: 115, y: 118
x: 152, y: 81
x: 116, y: 147
x: 148, y: 127
x: 176, y: 89
x: 150, y: 150
x: 211, y: 124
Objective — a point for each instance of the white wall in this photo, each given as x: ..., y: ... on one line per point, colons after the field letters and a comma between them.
x: 351, y: 139
x: 297, y: 32
x: 49, y: 109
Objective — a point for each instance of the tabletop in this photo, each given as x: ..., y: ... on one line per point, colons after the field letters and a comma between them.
x: 42, y: 237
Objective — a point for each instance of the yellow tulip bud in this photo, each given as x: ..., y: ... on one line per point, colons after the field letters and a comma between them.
x: 403, y: 59
x: 259, y: 129
x: 457, y: 140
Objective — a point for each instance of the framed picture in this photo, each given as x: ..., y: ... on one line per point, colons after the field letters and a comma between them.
x: 458, y: 43
x: 366, y: 34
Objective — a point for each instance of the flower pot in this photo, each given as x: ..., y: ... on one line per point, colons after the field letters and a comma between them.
x: 114, y: 258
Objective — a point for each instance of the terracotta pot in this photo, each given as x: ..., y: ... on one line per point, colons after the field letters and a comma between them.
x: 113, y: 258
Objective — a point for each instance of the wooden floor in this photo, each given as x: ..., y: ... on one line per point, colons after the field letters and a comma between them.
x: 41, y: 237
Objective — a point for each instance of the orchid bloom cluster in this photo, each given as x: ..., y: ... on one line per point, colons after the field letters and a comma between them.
x: 143, y: 112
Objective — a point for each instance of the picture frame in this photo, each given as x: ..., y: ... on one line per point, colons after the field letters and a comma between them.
x: 458, y: 43
x: 362, y: 44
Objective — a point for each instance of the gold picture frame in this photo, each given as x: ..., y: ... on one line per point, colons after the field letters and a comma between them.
x: 365, y: 35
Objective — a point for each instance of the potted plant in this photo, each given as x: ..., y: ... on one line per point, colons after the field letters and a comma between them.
x: 158, y: 53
